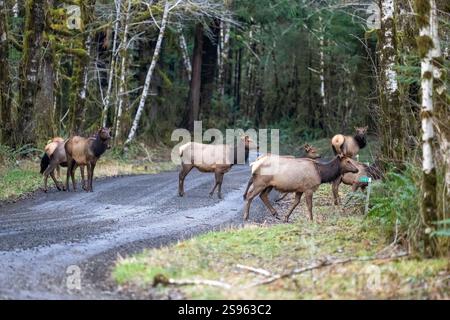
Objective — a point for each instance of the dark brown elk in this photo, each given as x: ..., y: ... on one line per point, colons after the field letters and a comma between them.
x: 82, y: 151
x: 347, y: 145
x: 54, y: 157
x: 302, y: 176
x: 353, y: 179
x: 217, y: 158
x: 310, y: 153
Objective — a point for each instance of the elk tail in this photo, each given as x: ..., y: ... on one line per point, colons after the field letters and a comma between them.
x: 45, y: 162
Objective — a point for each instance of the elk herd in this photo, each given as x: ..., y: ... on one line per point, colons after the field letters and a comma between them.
x: 301, y: 176
x: 286, y: 174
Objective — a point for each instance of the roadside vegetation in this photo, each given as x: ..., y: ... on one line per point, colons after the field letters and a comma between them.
x: 352, y: 257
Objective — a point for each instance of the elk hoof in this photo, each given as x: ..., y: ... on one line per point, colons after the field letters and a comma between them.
x: 45, y: 190
x: 220, y: 196
x: 286, y: 219
x: 180, y: 194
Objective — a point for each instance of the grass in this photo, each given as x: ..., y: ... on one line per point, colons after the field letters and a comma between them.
x: 18, y: 178
x: 335, y: 234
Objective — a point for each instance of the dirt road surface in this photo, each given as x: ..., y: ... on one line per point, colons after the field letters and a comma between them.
x: 46, y: 240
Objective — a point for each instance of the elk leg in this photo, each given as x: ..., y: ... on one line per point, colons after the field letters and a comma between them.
x: 335, y: 188
x: 83, y: 179
x: 70, y: 163
x: 250, y: 196
x: 47, y: 172
x: 91, y: 178
x: 185, y: 169
x: 265, y: 199
x: 298, y: 196
x: 219, y: 180
x: 58, y: 172
x: 282, y: 197
x: 309, y: 198
x: 72, y: 175
x: 52, y: 174
x: 250, y: 182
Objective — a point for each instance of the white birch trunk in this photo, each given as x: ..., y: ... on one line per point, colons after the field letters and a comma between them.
x: 123, y: 71
x: 149, y: 76
x: 86, y: 70
x: 322, y: 66
x: 387, y: 14
x: 427, y: 102
x: 440, y: 89
x: 118, y: 4
x: 223, y: 55
x: 184, y: 52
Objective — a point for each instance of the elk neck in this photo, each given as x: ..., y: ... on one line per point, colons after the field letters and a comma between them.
x: 329, y: 171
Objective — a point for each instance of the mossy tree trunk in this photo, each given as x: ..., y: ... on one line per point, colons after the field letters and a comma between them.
x: 43, y: 114
x: 31, y: 56
x: 426, y: 43
x: 441, y: 102
x: 5, y: 81
x: 209, y: 67
x: 390, y: 122
x: 77, y: 104
x: 193, y: 105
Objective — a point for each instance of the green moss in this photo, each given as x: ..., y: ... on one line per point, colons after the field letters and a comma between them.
x: 424, y: 45
x: 422, y: 8
x: 427, y: 75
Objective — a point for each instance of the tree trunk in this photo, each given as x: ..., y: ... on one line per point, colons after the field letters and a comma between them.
x: 209, y: 68
x: 185, y: 53
x: 112, y: 69
x: 193, y: 106
x: 224, y: 48
x: 149, y: 76
x: 323, y: 96
x: 123, y: 72
x: 442, y: 112
x: 43, y: 109
x: 77, y: 106
x: 32, y: 53
x: 5, y: 81
x: 391, y: 114
x: 426, y: 42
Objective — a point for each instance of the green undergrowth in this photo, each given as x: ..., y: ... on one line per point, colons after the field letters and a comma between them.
x: 337, y: 233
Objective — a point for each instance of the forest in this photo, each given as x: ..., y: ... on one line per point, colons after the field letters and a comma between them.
x: 310, y: 68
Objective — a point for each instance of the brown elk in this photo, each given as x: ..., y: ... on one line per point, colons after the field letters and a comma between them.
x: 217, y: 158
x: 310, y: 153
x: 347, y: 145
x: 82, y: 151
x: 353, y: 179
x: 293, y: 175
x: 54, y: 157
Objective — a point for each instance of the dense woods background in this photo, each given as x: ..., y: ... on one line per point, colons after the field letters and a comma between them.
x: 312, y: 68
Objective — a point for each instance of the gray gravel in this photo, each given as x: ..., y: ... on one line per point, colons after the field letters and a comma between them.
x: 41, y: 237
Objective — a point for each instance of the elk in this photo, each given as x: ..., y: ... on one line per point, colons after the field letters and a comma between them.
x: 310, y: 153
x: 217, y: 158
x: 82, y: 151
x: 353, y: 179
x: 302, y: 176
x: 347, y: 145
